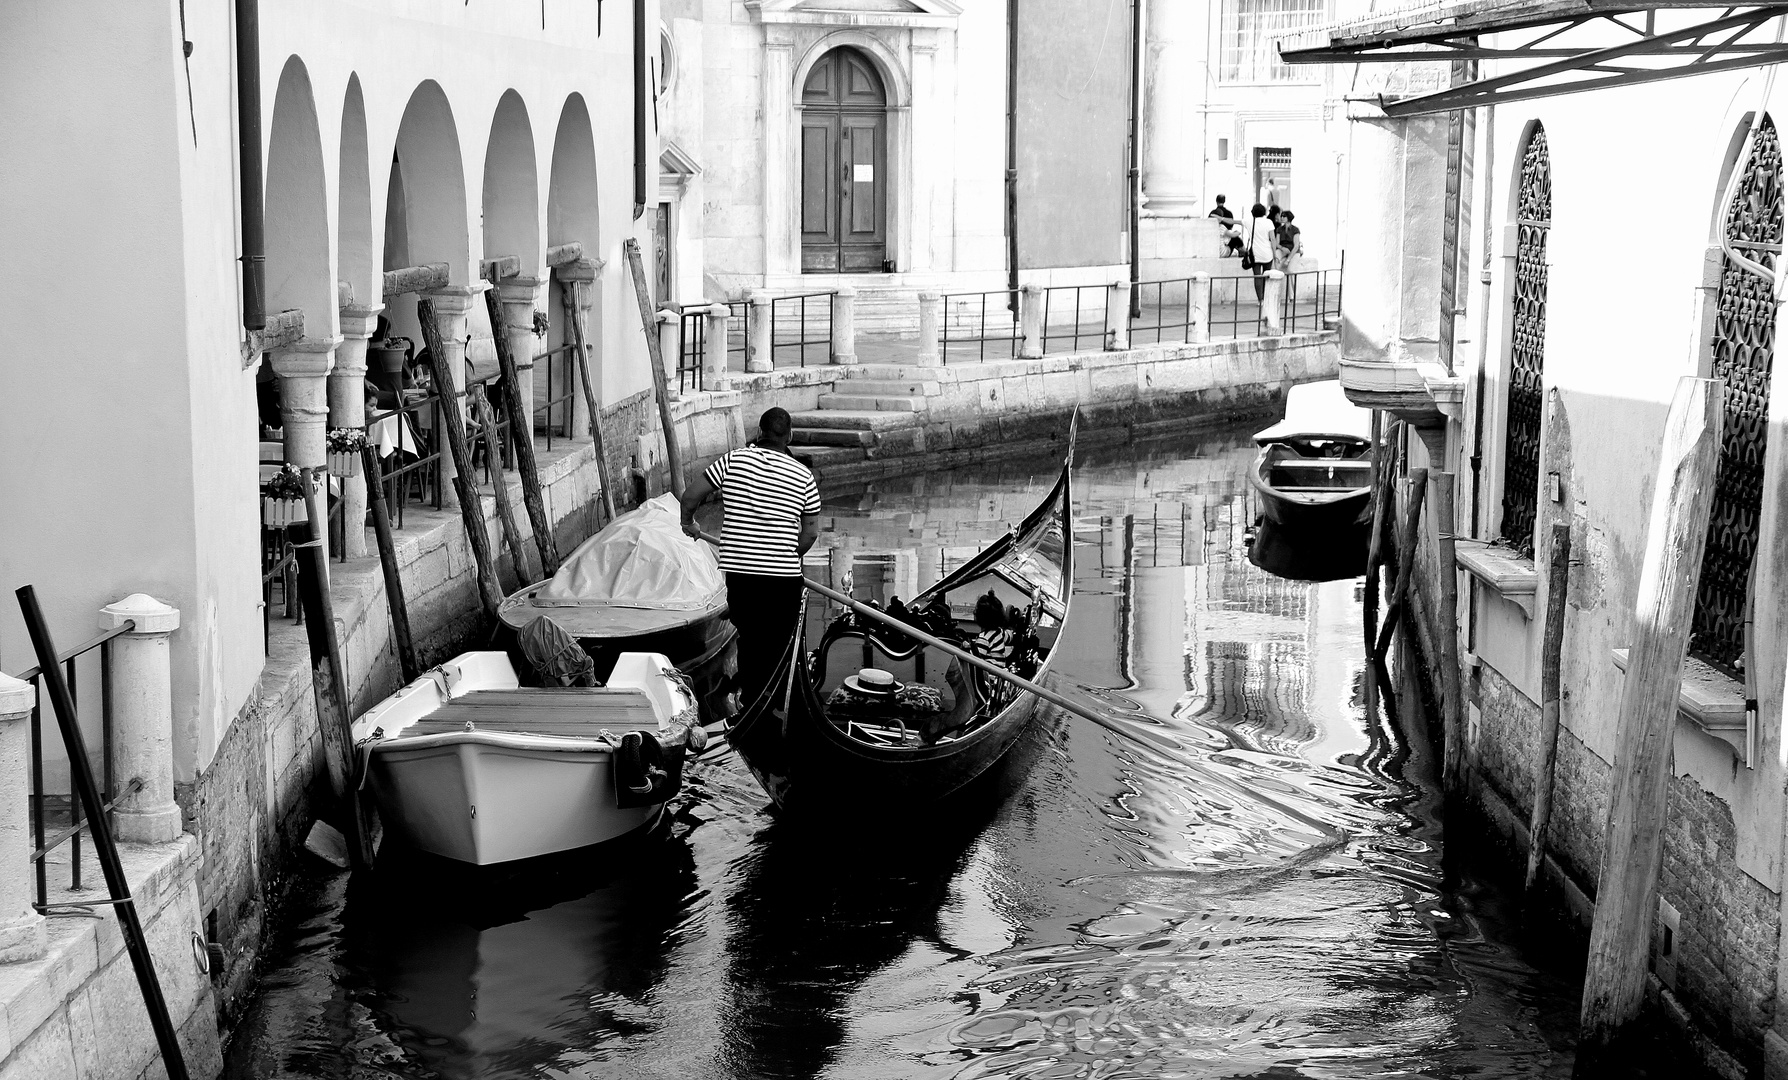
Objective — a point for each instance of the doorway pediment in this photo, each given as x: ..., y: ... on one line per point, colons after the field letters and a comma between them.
x: 911, y: 13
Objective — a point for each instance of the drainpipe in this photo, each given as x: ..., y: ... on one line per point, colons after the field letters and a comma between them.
x: 1135, y: 157
x: 1477, y: 427
x: 1012, y: 156
x: 639, y: 109
x: 248, y: 127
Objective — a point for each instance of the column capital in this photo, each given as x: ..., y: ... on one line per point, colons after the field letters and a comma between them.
x: 581, y: 270
x: 360, y: 320
x: 456, y: 299
x: 308, y: 356
x: 519, y: 287
x: 17, y: 698
x: 150, y: 615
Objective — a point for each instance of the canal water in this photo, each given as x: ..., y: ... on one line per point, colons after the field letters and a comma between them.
x: 1269, y: 900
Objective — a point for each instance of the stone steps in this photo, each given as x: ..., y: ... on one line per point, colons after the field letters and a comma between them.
x: 819, y: 436
x: 836, y: 402
x: 856, y: 419
x: 889, y: 387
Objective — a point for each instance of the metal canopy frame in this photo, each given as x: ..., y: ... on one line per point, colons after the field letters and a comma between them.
x: 1451, y: 32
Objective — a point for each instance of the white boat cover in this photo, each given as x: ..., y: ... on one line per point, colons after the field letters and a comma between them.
x: 639, y: 574
x: 1318, y: 409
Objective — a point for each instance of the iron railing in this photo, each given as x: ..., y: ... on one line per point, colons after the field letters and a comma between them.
x: 798, y: 324
x: 738, y: 334
x: 409, y: 453
x: 979, y: 319
x: 1066, y: 315
x: 692, y: 337
x: 560, y: 398
x: 65, y: 815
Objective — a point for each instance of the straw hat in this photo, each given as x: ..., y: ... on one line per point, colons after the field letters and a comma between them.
x: 873, y: 682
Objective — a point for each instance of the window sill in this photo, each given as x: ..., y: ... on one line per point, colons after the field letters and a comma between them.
x: 1713, y: 702
x: 1510, y: 575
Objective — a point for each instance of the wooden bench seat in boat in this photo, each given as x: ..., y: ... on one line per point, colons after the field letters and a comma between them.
x: 564, y: 711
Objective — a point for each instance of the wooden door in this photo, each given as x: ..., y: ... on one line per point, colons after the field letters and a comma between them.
x: 844, y: 180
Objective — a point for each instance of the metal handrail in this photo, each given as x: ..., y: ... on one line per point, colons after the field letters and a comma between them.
x: 801, y: 340
x: 1098, y: 334
x: 977, y: 302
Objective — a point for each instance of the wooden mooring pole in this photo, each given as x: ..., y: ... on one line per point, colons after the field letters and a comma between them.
x: 1626, y: 890
x: 1452, y: 689
x: 1406, y: 544
x: 1551, y: 670
x: 394, y: 582
x: 465, y: 483
x: 499, y: 485
x: 1369, y: 594
x: 575, y: 327
x: 672, y: 455
x: 521, y: 436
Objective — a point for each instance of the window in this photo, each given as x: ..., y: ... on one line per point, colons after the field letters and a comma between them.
x: 1222, y: 149
x: 1743, y: 348
x: 1250, y: 31
x: 1527, y: 346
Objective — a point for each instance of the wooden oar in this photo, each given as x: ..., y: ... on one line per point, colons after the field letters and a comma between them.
x: 1149, y: 739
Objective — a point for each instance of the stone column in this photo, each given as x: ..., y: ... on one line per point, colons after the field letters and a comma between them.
x: 1272, y: 305
x: 519, y: 294
x: 347, y: 409
x: 21, y: 927
x: 452, y: 306
x: 578, y: 282
x: 931, y: 326
x: 1117, y: 316
x: 781, y: 186
x: 844, y: 325
x: 143, y: 720
x: 1030, y: 322
x: 670, y: 346
x: 303, y: 369
x: 719, y: 317
x: 760, y: 347
x: 1198, y: 307
x: 1173, y: 154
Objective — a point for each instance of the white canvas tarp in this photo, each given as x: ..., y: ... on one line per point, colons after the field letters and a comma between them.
x: 1317, y: 409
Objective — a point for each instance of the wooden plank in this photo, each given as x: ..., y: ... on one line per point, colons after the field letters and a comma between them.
x: 499, y: 485
x: 574, y: 320
x: 1551, y: 665
x: 502, y: 266
x: 649, y: 321
x: 415, y: 279
x: 564, y: 254
x: 521, y: 432
x: 1626, y: 890
x: 329, y: 681
x: 394, y: 582
x: 1453, y: 707
x: 471, y: 504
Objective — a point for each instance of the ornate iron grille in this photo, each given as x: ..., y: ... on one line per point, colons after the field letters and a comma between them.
x: 1527, y: 351
x: 1744, y: 345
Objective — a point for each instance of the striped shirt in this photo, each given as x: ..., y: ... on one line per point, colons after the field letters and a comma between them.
x: 766, y: 493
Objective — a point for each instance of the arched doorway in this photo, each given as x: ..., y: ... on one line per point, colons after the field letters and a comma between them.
x: 844, y: 183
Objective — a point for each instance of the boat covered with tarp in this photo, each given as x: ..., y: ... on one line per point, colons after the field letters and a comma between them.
x: 870, y: 719
x: 638, y: 585
x: 1314, y: 469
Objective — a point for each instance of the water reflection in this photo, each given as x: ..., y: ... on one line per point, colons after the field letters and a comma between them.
x: 1269, y: 900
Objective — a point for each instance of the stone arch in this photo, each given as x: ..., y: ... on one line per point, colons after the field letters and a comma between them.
x: 896, y: 81
x: 571, y: 201
x: 512, y: 186
x: 297, y: 207
x: 433, y: 178
x: 355, y: 261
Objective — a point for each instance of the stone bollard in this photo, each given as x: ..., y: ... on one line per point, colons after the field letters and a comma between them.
x: 760, y: 348
x: 670, y: 348
x: 719, y: 317
x: 1117, y: 317
x: 1272, y: 305
x: 1198, y: 308
x: 844, y: 325
x: 143, y: 721
x: 1030, y: 322
x: 21, y: 927
x: 931, y: 327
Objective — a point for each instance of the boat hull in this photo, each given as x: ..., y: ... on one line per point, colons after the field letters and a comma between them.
x: 702, y: 650
x: 485, y: 801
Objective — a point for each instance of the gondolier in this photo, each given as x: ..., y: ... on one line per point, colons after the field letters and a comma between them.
x: 772, y: 518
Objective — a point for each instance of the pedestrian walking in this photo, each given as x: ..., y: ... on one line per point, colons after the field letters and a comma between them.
x: 771, y: 504
x: 1261, y: 249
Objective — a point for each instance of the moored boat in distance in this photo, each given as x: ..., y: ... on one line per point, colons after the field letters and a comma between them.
x: 1314, y: 470
x: 639, y: 585
x: 469, y: 764
x: 871, y: 720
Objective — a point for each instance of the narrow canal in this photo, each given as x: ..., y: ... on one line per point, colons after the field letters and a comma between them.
x: 1270, y: 901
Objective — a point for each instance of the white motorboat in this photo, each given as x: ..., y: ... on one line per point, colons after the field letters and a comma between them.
x: 469, y: 764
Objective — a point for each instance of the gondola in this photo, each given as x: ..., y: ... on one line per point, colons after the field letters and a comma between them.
x: 815, y: 753
x: 1314, y: 470
x: 640, y: 585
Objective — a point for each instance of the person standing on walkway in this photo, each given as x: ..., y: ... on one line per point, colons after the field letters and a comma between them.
x: 772, y: 508
x: 1262, y: 246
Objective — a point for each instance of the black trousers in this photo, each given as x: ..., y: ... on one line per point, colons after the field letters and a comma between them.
x: 764, y: 608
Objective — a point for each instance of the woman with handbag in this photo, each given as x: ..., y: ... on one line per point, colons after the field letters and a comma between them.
x: 1258, y: 255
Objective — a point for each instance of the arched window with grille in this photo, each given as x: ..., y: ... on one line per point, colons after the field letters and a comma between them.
x: 1743, y: 351
x: 1527, y: 346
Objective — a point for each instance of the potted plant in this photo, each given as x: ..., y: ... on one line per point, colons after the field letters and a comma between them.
x: 345, y: 445
x: 282, y: 497
x: 540, y: 324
